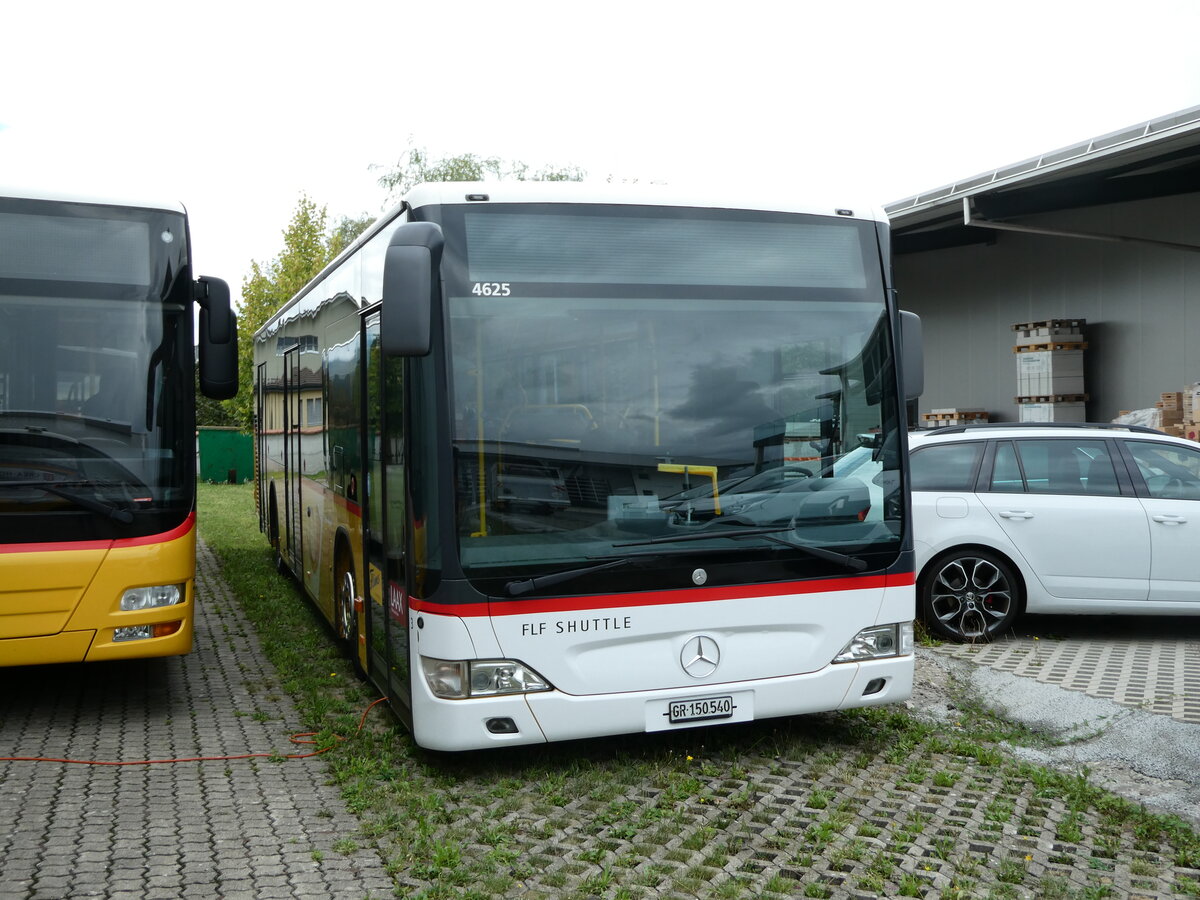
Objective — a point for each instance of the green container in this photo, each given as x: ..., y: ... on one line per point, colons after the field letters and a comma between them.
x: 226, y: 454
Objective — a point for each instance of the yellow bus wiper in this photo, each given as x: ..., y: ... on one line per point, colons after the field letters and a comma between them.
x: 100, y: 507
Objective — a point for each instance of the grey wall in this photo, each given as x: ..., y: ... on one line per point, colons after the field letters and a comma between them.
x: 1142, y: 305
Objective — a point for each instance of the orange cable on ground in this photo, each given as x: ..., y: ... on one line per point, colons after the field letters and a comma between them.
x: 304, y: 737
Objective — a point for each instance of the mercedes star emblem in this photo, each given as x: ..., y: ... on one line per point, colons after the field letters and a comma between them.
x: 700, y: 656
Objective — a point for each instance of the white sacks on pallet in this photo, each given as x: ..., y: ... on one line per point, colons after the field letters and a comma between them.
x: 1045, y: 372
x: 1151, y: 418
x: 1069, y: 411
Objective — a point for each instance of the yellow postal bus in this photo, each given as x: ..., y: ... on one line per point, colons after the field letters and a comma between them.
x: 97, y: 425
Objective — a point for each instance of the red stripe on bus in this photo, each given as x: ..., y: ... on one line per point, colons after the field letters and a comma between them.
x: 660, y: 598
x: 174, y: 534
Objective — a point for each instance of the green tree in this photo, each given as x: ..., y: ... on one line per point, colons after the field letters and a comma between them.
x: 308, y: 246
x: 415, y: 166
x: 212, y: 412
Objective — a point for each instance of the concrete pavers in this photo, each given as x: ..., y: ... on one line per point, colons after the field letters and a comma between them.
x: 250, y: 828
x: 1143, y: 662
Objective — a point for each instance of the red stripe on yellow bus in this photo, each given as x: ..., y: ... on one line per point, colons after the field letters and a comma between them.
x: 174, y: 534
x: 660, y: 598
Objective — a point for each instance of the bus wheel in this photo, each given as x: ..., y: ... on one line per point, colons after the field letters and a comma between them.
x: 273, y: 536
x: 347, y: 615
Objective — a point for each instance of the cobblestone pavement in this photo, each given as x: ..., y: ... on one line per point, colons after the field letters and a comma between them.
x: 251, y: 828
x: 1143, y: 662
x: 930, y: 821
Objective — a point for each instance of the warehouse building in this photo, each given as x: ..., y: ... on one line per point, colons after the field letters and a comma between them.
x: 1093, y: 250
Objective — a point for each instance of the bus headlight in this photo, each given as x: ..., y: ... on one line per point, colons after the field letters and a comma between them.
x: 458, y: 679
x: 152, y: 597
x: 878, y: 642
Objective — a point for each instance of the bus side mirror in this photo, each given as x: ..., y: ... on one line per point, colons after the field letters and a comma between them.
x: 912, y: 355
x: 217, y: 339
x: 411, y: 281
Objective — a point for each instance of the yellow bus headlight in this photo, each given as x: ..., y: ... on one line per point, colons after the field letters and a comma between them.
x: 152, y: 597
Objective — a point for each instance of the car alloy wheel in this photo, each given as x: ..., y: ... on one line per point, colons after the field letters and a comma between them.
x: 970, y: 597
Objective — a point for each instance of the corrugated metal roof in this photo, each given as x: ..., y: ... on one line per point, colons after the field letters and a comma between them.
x: 1143, y: 140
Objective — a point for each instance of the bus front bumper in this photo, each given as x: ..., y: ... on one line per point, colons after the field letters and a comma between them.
x: 555, y: 716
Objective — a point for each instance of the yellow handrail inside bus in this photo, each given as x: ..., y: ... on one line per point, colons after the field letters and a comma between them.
x: 481, y: 484
x: 710, y: 471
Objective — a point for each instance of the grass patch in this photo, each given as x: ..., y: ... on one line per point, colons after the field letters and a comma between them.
x: 629, y: 816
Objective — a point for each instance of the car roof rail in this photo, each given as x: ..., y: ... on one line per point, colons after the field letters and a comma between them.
x: 983, y: 426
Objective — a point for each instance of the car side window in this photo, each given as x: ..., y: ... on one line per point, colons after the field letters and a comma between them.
x: 1006, y: 472
x: 1066, y: 467
x: 1096, y: 465
x: 950, y: 467
x: 1170, y: 472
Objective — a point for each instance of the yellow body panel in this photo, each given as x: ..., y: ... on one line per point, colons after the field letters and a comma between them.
x: 40, y: 590
x: 62, y: 605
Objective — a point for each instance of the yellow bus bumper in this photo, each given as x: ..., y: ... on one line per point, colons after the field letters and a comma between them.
x: 64, y: 604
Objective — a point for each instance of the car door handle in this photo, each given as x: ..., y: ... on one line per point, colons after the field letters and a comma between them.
x: 1170, y: 520
x: 1015, y: 514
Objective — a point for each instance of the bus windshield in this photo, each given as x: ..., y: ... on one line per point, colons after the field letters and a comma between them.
x: 94, y: 331
x: 627, y: 379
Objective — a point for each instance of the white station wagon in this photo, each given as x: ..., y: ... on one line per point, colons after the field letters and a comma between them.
x: 1052, y: 518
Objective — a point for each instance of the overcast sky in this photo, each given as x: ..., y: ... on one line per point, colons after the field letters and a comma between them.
x: 238, y: 108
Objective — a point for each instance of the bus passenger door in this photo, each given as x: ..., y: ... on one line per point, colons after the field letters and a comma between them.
x: 260, y: 445
x: 291, y: 455
x: 384, y: 520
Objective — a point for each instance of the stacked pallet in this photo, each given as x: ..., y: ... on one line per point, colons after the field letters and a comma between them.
x: 1175, y: 414
x: 936, y: 418
x: 1049, y: 356
x: 1170, y: 405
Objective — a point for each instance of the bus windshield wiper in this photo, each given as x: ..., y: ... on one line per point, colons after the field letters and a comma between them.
x: 525, y: 585
x: 92, y: 504
x: 771, y: 534
x: 120, y: 427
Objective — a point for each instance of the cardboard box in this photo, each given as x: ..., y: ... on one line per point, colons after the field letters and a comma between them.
x: 1169, y: 416
x: 1191, y: 431
x: 1191, y: 402
x: 1042, y: 372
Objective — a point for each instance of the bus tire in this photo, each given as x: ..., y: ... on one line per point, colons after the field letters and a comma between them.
x: 273, y: 535
x: 345, y: 611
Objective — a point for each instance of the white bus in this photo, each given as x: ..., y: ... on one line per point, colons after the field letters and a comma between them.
x: 501, y: 440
